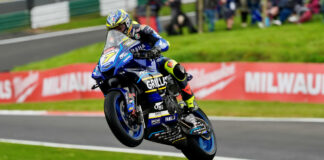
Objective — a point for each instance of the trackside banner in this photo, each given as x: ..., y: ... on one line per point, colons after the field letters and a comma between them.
x: 65, y: 83
x: 286, y: 82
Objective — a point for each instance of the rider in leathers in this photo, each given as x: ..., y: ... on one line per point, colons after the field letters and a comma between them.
x: 120, y: 20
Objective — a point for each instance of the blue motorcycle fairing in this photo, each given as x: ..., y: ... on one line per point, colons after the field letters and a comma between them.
x: 130, y: 102
x: 96, y: 74
x: 114, y: 59
x: 117, y: 58
x: 109, y: 58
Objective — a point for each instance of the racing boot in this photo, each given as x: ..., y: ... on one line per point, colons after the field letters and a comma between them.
x: 190, y: 107
x: 189, y: 98
x: 180, y: 74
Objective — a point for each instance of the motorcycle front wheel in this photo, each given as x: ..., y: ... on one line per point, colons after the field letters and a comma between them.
x: 201, y: 147
x: 128, y: 133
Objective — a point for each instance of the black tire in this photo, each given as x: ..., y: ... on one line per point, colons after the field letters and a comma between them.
x: 116, y: 125
x: 193, y: 151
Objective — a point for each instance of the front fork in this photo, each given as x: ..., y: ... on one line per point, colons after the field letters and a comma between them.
x: 133, y: 108
x: 129, y: 94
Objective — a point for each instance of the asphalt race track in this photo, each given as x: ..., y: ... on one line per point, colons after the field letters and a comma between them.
x: 16, y: 54
x: 239, y: 139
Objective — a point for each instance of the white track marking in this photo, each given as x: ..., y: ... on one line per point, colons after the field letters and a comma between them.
x: 51, y: 34
x: 212, y: 118
x: 22, y: 113
x: 99, y: 148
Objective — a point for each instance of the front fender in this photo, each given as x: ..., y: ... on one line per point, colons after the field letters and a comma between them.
x: 128, y: 97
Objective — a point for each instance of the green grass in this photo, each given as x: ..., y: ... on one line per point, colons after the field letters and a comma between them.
x: 26, y: 152
x: 288, y: 43
x: 212, y: 108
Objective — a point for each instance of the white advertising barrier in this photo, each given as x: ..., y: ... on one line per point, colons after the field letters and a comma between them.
x: 107, y: 6
x: 51, y: 14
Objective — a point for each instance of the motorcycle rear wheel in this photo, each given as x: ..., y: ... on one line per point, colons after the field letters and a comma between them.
x: 116, y: 113
x: 199, y: 147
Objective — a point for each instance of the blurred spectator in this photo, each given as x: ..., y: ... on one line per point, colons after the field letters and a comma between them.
x: 178, y: 19
x: 228, y: 8
x: 322, y: 9
x: 210, y: 11
x: 244, y: 9
x: 305, y: 12
x: 273, y: 9
x: 155, y: 6
x: 286, y: 8
x: 145, y: 16
x: 256, y: 12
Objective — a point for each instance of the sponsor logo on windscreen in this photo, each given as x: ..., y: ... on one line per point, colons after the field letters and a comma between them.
x: 5, y: 90
x: 24, y: 87
x: 205, y: 84
x: 67, y: 83
x: 284, y: 83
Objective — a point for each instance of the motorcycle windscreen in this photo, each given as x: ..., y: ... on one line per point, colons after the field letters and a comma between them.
x: 113, y: 47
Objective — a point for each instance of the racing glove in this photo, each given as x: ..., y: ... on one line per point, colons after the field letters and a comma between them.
x: 154, y: 53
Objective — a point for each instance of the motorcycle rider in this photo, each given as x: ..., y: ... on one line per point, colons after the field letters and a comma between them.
x: 121, y: 21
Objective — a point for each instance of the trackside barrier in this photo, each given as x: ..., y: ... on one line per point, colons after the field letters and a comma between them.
x: 286, y: 82
x: 14, y: 20
x: 50, y: 14
x: 81, y: 7
x: 107, y: 6
x: 65, y: 83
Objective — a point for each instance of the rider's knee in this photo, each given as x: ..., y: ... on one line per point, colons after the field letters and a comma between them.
x: 175, y: 69
x: 179, y: 72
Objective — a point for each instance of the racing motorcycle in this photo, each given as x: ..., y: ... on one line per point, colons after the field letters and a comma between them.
x: 141, y: 103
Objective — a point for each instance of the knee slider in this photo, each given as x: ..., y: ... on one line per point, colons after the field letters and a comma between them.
x: 175, y: 69
x: 179, y: 72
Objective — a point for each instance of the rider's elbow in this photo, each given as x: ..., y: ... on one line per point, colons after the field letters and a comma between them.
x: 164, y: 45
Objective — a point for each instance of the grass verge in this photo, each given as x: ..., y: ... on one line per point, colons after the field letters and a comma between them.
x: 10, y: 151
x: 212, y: 108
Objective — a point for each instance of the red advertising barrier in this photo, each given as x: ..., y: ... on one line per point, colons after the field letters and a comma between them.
x: 65, y: 83
x: 287, y: 82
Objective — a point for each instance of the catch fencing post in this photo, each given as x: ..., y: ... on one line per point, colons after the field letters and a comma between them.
x: 200, y: 16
